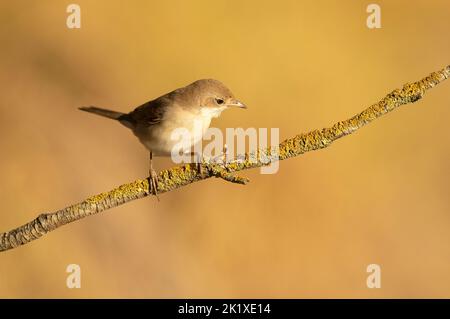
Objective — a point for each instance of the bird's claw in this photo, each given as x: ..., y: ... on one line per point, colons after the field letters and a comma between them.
x: 208, y: 161
x: 200, y: 168
x: 153, y: 182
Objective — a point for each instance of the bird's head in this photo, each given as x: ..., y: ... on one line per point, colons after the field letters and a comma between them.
x: 213, y: 97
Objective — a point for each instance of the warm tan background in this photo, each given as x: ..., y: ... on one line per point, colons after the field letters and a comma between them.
x: 380, y: 196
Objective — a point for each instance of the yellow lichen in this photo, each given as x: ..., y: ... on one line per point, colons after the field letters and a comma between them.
x: 183, y: 175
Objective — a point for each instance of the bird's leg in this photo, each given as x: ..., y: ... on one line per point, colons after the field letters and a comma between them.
x: 216, y: 168
x: 199, y: 161
x: 222, y: 155
x: 153, y: 178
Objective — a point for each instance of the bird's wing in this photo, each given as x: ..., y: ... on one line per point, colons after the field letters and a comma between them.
x: 148, y: 114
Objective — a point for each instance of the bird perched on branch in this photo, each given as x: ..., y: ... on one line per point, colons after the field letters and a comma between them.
x: 153, y: 122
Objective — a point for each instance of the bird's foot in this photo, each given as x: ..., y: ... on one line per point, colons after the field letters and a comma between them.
x: 216, y: 166
x: 206, y: 162
x: 201, y: 161
x: 200, y: 167
x: 221, y: 159
x: 153, y: 182
x: 218, y: 160
x: 220, y: 170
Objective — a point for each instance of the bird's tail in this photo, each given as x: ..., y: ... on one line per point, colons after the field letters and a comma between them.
x: 102, y: 112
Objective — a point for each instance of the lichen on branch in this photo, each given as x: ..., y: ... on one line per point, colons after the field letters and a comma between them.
x: 180, y: 176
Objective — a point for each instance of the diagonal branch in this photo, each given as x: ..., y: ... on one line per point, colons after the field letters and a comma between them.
x: 180, y: 176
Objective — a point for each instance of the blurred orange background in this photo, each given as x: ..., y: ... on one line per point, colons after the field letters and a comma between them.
x: 379, y: 196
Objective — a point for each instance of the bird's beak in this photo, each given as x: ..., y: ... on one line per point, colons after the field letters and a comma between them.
x: 236, y: 103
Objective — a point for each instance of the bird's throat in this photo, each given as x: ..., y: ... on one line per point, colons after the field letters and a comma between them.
x: 211, y: 112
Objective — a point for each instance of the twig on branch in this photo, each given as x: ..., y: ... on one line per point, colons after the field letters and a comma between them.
x: 180, y: 176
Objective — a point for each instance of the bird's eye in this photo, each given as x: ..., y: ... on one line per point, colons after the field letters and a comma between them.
x: 219, y: 101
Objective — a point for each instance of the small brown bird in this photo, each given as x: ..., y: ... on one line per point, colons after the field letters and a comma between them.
x: 154, y: 121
